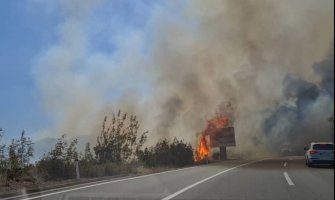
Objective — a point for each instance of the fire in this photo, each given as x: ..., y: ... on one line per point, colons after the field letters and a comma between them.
x: 218, y: 122
x: 203, y: 149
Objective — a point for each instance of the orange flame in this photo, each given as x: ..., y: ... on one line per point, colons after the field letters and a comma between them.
x: 203, y: 149
x: 215, y: 123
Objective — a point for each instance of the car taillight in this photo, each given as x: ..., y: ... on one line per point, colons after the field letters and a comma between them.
x: 312, y: 152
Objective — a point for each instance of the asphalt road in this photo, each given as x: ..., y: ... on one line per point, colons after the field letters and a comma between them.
x: 278, y: 178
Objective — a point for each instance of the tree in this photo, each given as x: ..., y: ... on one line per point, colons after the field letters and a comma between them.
x: 88, y: 156
x: 15, y: 166
x: 3, y: 161
x: 118, y: 141
x: 25, y: 150
x: 59, y: 162
x: 71, y: 152
x: 20, y: 151
x: 2, y: 147
x: 58, y: 152
x: 87, y: 162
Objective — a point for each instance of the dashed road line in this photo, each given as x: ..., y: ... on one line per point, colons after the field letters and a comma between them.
x: 288, y: 179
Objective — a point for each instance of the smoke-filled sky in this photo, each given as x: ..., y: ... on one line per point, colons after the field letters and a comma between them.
x: 66, y: 64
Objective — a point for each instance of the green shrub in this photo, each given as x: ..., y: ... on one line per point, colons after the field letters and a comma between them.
x: 164, y: 153
x: 59, y: 163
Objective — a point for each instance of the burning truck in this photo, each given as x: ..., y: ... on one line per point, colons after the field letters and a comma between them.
x: 219, y: 134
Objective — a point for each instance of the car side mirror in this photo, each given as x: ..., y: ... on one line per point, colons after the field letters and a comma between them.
x: 305, y: 149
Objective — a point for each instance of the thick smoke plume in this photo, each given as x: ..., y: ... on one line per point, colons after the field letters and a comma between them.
x: 270, y: 61
x: 308, y: 116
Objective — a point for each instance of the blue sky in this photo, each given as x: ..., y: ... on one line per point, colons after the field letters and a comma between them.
x: 29, y: 28
x: 22, y: 36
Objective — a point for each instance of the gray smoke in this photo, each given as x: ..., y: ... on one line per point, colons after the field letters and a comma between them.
x: 269, y: 60
x: 306, y: 119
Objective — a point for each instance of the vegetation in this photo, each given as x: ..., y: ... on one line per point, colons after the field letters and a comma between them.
x: 3, y: 162
x: 118, y: 150
x: 165, y: 153
x: 118, y: 142
x: 59, y: 162
x: 17, y: 162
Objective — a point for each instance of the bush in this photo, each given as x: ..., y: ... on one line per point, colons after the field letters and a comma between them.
x: 181, y: 153
x: 59, y: 162
x: 164, y: 153
x: 107, y: 169
x: 55, y: 169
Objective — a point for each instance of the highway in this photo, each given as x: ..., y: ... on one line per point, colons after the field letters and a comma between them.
x: 283, y: 178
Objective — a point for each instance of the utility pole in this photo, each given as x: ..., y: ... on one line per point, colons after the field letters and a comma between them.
x: 223, y: 153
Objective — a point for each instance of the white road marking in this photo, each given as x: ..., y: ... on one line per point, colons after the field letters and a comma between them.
x: 55, y: 189
x: 94, y: 185
x: 288, y: 179
x: 285, y: 164
x: 204, y: 180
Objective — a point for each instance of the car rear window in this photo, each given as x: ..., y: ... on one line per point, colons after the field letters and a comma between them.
x: 323, y: 146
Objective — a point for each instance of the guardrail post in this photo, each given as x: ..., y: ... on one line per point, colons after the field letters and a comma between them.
x: 77, y: 169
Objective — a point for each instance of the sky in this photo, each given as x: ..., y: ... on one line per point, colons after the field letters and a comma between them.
x: 28, y: 29
x: 23, y: 35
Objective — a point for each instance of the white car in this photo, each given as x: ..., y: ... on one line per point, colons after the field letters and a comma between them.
x: 320, y: 153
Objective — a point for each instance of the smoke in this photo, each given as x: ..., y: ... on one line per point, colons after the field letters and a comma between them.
x: 306, y: 118
x: 270, y: 61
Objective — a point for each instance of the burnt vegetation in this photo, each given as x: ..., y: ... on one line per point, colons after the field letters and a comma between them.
x: 119, y: 149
